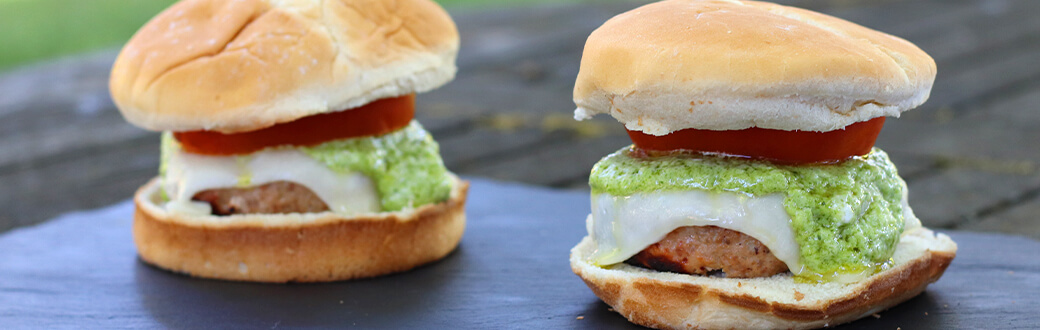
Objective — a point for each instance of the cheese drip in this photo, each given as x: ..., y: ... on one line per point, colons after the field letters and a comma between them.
x: 621, y: 226
x: 387, y: 173
x: 186, y: 174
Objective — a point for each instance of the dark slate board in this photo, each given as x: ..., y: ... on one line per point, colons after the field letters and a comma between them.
x: 511, y: 271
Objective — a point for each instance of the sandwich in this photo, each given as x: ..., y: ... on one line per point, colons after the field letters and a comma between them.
x: 290, y: 152
x: 753, y: 195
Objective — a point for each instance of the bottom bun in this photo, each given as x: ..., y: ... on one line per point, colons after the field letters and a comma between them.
x: 679, y: 301
x: 311, y: 247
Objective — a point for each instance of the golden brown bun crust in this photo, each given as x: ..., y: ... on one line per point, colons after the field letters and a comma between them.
x: 325, y: 248
x: 727, y: 65
x: 234, y: 66
x: 676, y: 301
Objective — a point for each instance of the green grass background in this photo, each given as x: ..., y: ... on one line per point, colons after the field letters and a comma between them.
x: 32, y: 30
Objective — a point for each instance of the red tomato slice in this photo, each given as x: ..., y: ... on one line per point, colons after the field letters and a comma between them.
x: 789, y: 147
x: 376, y: 118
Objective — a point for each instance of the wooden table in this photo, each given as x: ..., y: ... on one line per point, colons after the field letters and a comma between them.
x: 970, y: 154
x: 510, y: 271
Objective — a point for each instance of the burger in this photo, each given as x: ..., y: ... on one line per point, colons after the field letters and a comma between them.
x: 289, y: 148
x: 752, y: 196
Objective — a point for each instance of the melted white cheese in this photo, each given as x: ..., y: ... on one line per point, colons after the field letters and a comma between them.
x: 620, y: 227
x: 187, y: 174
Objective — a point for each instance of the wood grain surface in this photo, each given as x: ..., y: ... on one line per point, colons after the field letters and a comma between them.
x: 511, y: 271
x: 970, y: 155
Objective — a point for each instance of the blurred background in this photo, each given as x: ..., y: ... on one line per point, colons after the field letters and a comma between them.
x: 970, y: 155
x: 42, y: 29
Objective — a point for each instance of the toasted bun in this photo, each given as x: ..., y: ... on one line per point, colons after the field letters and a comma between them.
x: 678, y: 301
x: 317, y: 247
x: 727, y: 65
x: 243, y: 65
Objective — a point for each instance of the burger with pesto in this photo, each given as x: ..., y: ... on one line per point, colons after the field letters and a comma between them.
x: 753, y: 195
x: 289, y: 148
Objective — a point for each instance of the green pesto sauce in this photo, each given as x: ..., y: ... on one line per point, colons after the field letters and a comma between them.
x: 847, y: 217
x: 406, y: 165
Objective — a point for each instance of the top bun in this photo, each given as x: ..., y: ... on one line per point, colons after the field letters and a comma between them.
x: 242, y: 65
x: 728, y: 65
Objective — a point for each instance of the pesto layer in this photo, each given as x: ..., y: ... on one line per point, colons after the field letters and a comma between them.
x: 406, y: 165
x: 847, y: 217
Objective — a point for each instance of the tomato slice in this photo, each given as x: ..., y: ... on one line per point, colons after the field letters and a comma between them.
x: 788, y: 147
x: 376, y: 118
